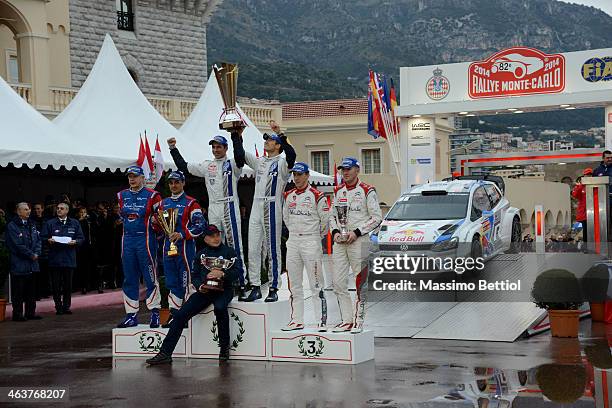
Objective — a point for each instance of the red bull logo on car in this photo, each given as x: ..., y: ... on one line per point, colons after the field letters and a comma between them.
x: 517, y: 71
x: 408, y: 236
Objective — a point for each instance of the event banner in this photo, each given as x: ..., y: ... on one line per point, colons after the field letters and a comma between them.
x: 420, y: 151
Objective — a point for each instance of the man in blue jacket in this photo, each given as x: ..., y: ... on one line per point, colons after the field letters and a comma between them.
x: 605, y: 167
x: 23, y: 244
x: 213, y: 248
x: 63, y: 234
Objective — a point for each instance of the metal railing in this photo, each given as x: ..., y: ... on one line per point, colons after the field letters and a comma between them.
x: 125, y: 21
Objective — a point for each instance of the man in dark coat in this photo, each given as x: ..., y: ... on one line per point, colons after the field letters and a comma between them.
x: 200, y: 300
x: 23, y: 243
x: 63, y: 235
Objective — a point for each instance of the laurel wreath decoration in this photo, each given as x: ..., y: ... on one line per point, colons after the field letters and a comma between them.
x: 318, y: 351
x: 239, y: 336
x: 144, y: 347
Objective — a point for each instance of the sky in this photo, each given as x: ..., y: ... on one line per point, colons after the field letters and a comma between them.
x: 605, y: 5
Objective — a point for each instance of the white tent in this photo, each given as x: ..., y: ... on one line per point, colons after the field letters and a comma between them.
x: 27, y: 138
x: 203, y: 124
x: 109, y: 113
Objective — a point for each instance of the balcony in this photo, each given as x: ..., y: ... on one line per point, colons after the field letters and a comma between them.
x: 175, y: 111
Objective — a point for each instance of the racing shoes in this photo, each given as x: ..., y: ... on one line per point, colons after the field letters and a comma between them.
x: 321, y: 327
x: 254, y: 295
x: 343, y: 327
x: 130, y: 320
x: 242, y: 296
x: 154, y: 324
x: 293, y: 326
x: 160, y: 358
x: 272, y: 295
x: 357, y: 328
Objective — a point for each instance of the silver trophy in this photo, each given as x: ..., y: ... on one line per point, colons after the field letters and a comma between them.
x: 342, y: 220
x: 210, y: 263
x: 227, y: 78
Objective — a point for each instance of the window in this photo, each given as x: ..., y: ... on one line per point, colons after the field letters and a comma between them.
x: 13, y: 69
x: 125, y: 15
x: 320, y: 161
x: 371, y: 161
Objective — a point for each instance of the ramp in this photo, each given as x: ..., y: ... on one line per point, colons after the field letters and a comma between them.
x: 479, y: 316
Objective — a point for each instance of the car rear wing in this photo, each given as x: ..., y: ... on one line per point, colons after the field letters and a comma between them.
x: 499, y: 182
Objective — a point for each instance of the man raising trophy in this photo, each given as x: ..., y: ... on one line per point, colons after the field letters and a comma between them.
x: 180, y: 218
x: 306, y: 215
x: 356, y: 214
x: 204, y: 297
x: 265, y: 224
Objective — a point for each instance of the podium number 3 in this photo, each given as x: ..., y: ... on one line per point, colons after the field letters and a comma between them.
x: 311, y: 349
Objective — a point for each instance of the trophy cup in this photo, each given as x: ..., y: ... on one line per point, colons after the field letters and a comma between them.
x: 211, y: 263
x: 227, y: 78
x: 167, y: 220
x: 342, y: 219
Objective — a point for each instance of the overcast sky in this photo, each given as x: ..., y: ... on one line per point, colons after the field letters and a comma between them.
x: 605, y: 5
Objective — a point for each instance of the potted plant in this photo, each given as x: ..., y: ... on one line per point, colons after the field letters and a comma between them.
x: 558, y: 292
x: 562, y: 383
x: 595, y: 290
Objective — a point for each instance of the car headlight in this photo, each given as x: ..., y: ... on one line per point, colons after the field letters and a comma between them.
x: 445, y: 245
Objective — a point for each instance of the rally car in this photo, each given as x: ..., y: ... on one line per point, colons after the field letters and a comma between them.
x: 461, y: 217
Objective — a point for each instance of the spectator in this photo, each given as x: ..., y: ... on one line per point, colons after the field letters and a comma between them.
x: 605, y: 168
x: 63, y: 235
x: 43, y: 288
x: 579, y: 193
x: 117, y: 272
x: 84, y: 262
x: 23, y: 243
x: 103, y: 245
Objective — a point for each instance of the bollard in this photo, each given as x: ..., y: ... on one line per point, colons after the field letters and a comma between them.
x: 597, y: 208
x: 540, y: 230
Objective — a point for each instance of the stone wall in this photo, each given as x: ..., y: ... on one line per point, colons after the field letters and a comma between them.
x: 166, y: 51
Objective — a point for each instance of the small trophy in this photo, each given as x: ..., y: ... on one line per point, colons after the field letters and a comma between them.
x: 342, y: 219
x: 167, y: 219
x: 211, y: 263
x: 227, y: 78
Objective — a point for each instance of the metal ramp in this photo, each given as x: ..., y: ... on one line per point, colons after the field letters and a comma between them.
x: 478, y: 316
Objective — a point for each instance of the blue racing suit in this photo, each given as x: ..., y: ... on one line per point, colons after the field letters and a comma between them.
x: 190, y: 224
x: 139, y: 246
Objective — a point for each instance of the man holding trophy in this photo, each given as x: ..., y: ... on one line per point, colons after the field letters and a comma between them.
x: 306, y: 214
x: 181, y: 220
x: 137, y: 205
x: 221, y: 177
x: 356, y: 214
x: 265, y: 224
x: 215, y: 269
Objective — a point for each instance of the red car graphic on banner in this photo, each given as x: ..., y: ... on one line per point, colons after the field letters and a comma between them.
x: 517, y: 71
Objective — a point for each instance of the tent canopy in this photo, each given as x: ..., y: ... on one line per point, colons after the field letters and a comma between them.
x: 109, y: 113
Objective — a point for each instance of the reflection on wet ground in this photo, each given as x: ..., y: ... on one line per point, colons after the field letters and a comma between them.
x: 75, y: 352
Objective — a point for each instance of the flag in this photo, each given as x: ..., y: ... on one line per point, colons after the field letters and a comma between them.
x: 256, y: 152
x: 141, y: 153
x: 375, y: 111
x: 158, y: 160
x: 393, y: 98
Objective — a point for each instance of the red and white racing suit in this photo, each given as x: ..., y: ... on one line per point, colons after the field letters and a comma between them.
x: 306, y: 215
x: 364, y: 216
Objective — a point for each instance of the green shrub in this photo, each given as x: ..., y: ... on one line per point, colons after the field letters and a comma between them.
x: 595, y: 283
x: 557, y: 289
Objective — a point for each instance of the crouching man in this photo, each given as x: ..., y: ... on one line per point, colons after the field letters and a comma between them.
x: 203, y: 298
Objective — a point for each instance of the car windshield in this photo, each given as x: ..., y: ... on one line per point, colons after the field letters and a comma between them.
x: 430, y: 207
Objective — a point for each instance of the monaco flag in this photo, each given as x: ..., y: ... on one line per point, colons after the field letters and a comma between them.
x: 158, y: 160
x: 145, y: 160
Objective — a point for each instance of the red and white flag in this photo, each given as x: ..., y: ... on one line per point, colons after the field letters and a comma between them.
x: 256, y: 152
x: 158, y: 161
x: 145, y: 160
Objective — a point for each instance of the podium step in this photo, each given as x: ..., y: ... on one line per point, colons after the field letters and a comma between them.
x: 143, y: 341
x: 311, y: 346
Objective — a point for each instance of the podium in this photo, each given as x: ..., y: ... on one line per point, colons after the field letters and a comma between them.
x: 143, y: 341
x: 311, y: 346
x: 250, y: 326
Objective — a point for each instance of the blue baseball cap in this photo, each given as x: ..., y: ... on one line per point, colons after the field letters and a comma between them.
x: 273, y: 136
x: 300, y: 167
x: 218, y: 139
x: 349, y: 162
x: 211, y: 229
x: 137, y: 170
x: 176, y: 175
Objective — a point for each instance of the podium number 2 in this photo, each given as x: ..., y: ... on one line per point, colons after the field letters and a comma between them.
x: 312, y: 349
x: 151, y: 341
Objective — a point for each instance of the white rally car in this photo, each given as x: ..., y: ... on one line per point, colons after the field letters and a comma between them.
x: 463, y: 217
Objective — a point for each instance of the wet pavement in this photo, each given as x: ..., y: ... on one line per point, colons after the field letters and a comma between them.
x: 75, y: 352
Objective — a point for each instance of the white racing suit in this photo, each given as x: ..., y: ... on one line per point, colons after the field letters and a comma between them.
x: 265, y: 223
x: 306, y: 215
x: 364, y: 216
x: 221, y: 179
